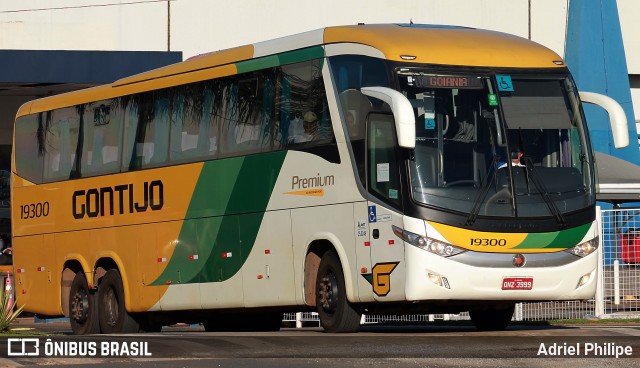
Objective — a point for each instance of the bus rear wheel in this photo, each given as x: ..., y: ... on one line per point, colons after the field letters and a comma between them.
x: 82, y: 307
x: 112, y: 312
x: 334, y: 310
x: 492, y: 318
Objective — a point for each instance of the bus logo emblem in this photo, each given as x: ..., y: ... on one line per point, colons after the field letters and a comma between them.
x: 518, y: 260
x: 380, y: 277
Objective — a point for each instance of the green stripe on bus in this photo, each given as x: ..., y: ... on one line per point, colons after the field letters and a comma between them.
x: 316, y: 52
x: 223, y: 219
x: 555, y: 240
x: 291, y: 57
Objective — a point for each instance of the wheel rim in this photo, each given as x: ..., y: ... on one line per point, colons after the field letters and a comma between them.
x: 111, y: 307
x: 80, y: 306
x: 328, y: 293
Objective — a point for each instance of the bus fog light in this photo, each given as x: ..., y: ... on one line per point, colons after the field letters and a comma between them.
x: 584, y: 280
x: 439, y: 280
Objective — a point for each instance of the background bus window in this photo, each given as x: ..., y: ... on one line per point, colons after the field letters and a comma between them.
x: 29, y: 156
x: 60, y: 144
x: 101, y: 144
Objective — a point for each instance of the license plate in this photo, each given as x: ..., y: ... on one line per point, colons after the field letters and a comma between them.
x: 517, y: 283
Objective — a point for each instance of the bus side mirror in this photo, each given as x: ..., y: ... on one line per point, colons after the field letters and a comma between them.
x: 402, y: 113
x: 617, y: 117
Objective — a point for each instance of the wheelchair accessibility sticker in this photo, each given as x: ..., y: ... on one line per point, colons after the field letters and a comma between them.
x: 504, y: 83
x: 372, y: 214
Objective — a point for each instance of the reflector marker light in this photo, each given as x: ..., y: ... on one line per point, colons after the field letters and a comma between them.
x: 193, y: 257
x: 162, y: 259
x: 20, y: 270
x: 367, y: 244
x: 42, y: 268
x: 227, y: 255
x: 267, y: 251
x: 391, y: 242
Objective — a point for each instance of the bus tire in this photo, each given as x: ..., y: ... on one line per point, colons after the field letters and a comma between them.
x: 492, y: 319
x: 112, y: 311
x: 334, y: 310
x: 83, y: 314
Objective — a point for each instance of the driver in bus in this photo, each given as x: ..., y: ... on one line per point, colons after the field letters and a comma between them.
x: 516, y: 158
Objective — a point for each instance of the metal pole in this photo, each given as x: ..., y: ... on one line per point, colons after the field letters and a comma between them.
x: 616, y: 282
x: 599, y: 307
x: 517, y: 315
x: 299, y: 320
x: 529, y: 19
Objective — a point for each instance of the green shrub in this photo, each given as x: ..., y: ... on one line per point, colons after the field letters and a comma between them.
x: 7, y: 314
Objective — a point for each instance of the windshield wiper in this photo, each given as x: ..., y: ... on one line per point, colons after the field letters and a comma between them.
x: 484, y: 189
x: 542, y: 189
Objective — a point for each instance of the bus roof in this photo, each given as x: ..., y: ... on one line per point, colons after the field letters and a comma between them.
x: 417, y: 43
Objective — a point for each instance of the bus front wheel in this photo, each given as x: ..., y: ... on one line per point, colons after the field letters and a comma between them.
x: 493, y: 318
x: 334, y: 310
x: 82, y: 307
x: 113, y: 314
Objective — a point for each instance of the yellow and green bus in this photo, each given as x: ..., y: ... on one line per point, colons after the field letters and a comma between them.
x: 343, y: 170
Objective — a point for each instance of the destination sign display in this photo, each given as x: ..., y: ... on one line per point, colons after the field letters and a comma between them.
x: 448, y: 81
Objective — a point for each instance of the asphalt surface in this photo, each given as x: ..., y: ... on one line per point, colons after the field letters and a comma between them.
x: 373, y: 346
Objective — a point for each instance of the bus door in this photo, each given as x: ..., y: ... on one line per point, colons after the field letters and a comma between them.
x: 383, y: 182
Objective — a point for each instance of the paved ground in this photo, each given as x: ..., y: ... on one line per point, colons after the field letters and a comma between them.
x: 61, y: 326
x: 425, y: 345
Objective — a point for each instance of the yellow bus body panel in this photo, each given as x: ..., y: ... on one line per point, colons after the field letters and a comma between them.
x: 137, y: 242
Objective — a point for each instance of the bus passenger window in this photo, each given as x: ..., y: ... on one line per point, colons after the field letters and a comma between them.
x: 101, y: 139
x: 28, y: 155
x: 194, y: 128
x: 146, y: 132
x: 61, y: 142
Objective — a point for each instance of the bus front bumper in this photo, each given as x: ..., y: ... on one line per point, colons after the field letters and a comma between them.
x: 432, y: 277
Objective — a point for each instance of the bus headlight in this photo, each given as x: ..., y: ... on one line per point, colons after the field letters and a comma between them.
x: 586, y: 248
x: 431, y: 245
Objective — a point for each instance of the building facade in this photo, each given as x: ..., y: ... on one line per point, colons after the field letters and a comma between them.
x: 199, y: 26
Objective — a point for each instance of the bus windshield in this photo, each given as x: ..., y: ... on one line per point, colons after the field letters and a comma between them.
x: 487, y: 145
x: 513, y: 150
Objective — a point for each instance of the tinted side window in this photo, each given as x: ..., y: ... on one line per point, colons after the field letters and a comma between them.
x: 61, y: 143
x: 29, y: 154
x: 146, y: 130
x: 194, y: 126
x: 303, y: 113
x: 243, y: 124
x: 102, y: 134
